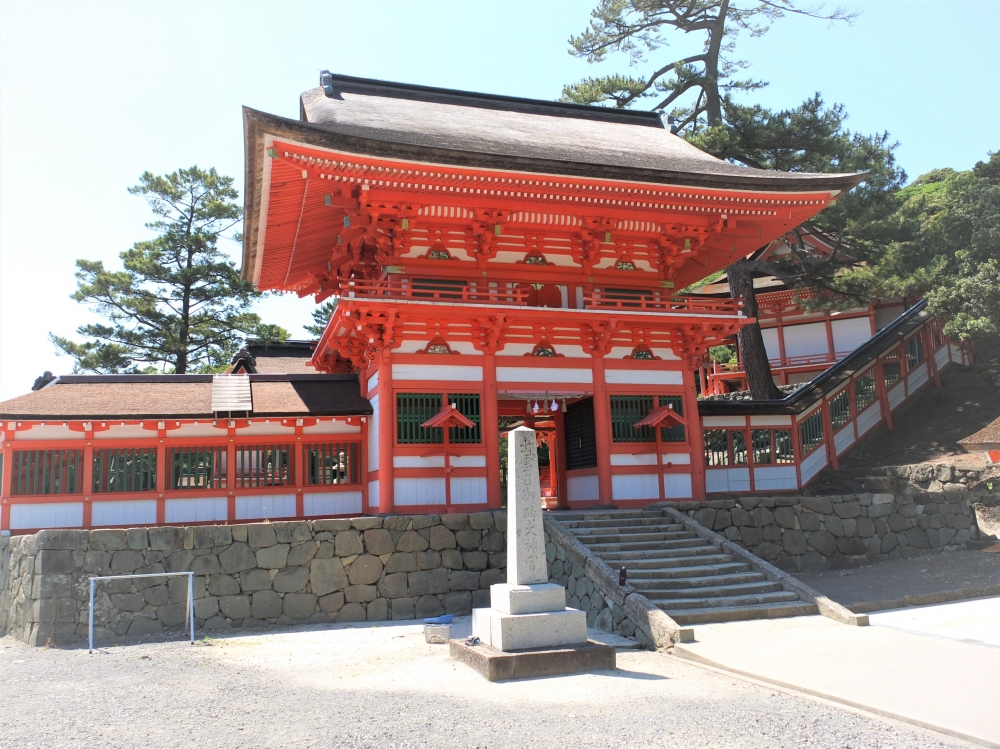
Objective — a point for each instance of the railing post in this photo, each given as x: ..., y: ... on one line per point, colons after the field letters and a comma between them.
x: 91, y: 621
x: 191, y: 603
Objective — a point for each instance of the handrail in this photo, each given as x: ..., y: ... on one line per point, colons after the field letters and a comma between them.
x: 430, y: 292
x: 804, y: 360
x: 654, y: 301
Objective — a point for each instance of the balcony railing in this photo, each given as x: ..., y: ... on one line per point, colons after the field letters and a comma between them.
x: 435, y: 291
x: 645, y: 301
x: 788, y: 362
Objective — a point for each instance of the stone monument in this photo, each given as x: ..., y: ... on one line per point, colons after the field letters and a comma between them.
x: 528, y: 629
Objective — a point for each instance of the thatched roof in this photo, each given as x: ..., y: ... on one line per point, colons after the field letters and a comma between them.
x: 987, y: 438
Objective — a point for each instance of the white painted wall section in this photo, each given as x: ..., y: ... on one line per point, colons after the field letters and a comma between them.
x: 897, y: 395
x: 265, y: 506
x: 642, y: 377
x: 813, y: 464
x: 727, y: 480
x: 467, y: 461
x: 677, y: 485
x: 678, y: 459
x: 373, y: 455
x: 418, y: 461
x: 418, y: 491
x: 436, y: 372
x: 468, y: 490
x: 373, y: 494
x: 48, y: 515
x: 803, y: 340
x: 844, y: 438
x: 850, y: 333
x: 775, y: 478
x: 917, y: 377
x: 331, y: 503
x: 196, y: 510
x: 582, y: 488
x: 123, y: 512
x: 635, y: 486
x: 544, y: 375
x: 633, y: 460
x: 869, y: 418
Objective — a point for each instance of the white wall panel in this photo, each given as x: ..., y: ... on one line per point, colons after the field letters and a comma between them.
x: 332, y: 427
x: 678, y: 459
x: 775, y: 420
x: 373, y: 381
x: 941, y: 357
x: 917, y: 377
x: 198, y: 510
x: 47, y: 515
x: 423, y: 491
x: 582, y: 488
x: 468, y: 490
x: 635, y: 486
x: 897, y: 395
x: 869, y: 417
x: 418, y: 461
x: 373, y: 493
x: 771, y: 342
x: 850, y: 333
x: 727, y: 480
x: 803, y: 340
x: 59, y: 432
x: 844, y: 438
x: 119, y: 432
x: 123, y: 512
x: 265, y: 506
x: 773, y: 478
x: 437, y: 372
x: 642, y: 377
x: 544, y: 375
x: 677, y: 485
x: 724, y: 421
x: 633, y: 460
x: 813, y: 464
x: 373, y: 454
x: 468, y: 461
x: 331, y: 503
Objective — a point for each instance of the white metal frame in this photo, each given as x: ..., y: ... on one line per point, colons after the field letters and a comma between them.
x: 190, y: 601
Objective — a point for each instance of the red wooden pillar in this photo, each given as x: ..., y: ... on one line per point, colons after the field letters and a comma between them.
x: 831, y: 448
x: 559, y: 440
x: 299, y: 469
x: 931, y: 356
x: 781, y: 341
x: 161, y: 483
x: 8, y: 472
x: 490, y: 428
x: 602, y: 431
x: 883, y: 395
x: 231, y: 478
x: 829, y: 338
x: 88, y: 480
x: 386, y: 434
x: 696, y: 438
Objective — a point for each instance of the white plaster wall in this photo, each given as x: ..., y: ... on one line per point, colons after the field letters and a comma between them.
x: 542, y: 374
x: 770, y: 420
x: 869, y: 417
x: 635, y: 486
x: 331, y: 503
x: 941, y: 357
x: 813, y: 464
x: 332, y: 427
x: 642, y: 377
x: 418, y: 491
x: 468, y: 490
x: 373, y: 494
x: 917, y: 377
x: 802, y: 340
x: 710, y: 422
x: 437, y: 373
x: 851, y: 333
x: 468, y: 461
x: 677, y: 485
x: 418, y: 461
x: 678, y: 459
x: 196, y: 510
x: 55, y: 432
x: 775, y: 478
x: 123, y: 512
x: 265, y: 506
x: 897, y: 395
x: 633, y: 460
x: 47, y: 515
x: 770, y: 336
x: 844, y: 438
x: 727, y: 480
x: 582, y: 488
x: 373, y: 454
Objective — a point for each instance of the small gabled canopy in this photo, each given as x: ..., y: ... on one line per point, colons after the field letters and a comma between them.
x: 448, y: 416
x: 987, y: 438
x: 662, y: 416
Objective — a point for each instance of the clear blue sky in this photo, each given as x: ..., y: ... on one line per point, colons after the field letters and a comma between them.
x: 93, y: 94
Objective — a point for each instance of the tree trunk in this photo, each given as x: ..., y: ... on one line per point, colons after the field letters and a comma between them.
x: 753, y: 355
x: 713, y: 101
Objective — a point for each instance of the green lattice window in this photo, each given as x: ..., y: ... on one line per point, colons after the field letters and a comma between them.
x: 46, y: 472
x: 674, y: 433
x: 468, y: 406
x: 738, y: 442
x: 716, y: 447
x: 333, y: 463
x: 811, y: 432
x: 412, y: 410
x: 892, y: 370
x: 264, y: 465
x: 840, y: 409
x: 626, y: 410
x: 124, y: 470
x: 198, y: 467
x: 865, y: 390
x: 761, y: 439
x: 783, y: 451
x: 915, y: 351
x: 581, y: 440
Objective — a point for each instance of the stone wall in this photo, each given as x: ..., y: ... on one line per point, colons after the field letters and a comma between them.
x: 921, y: 477
x: 347, y: 570
x: 802, y: 534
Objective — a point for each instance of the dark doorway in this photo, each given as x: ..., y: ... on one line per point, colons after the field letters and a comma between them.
x: 581, y: 438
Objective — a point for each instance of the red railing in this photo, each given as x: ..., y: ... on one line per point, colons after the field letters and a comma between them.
x: 789, y: 362
x: 435, y: 291
x: 645, y: 301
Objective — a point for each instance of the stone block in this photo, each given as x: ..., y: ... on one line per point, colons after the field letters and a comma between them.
x: 97, y: 562
x: 762, y: 517
x: 142, y: 625
x: 334, y: 525
x: 206, y: 564
x: 261, y: 535
x: 126, y: 561
x: 165, y: 538
x: 823, y: 542
x: 741, y: 517
x: 793, y: 541
x: 771, y: 533
x: 428, y: 560
x: 820, y: 505
x: 785, y: 517
x: 108, y: 540
x: 850, y: 509
x: 378, y: 541
x: 172, y: 614
x: 237, y: 558
x: 509, y: 632
x: 427, y: 606
x: 179, y: 561
x: 366, y: 523
x: 705, y: 516
x: 879, y: 511
x: 158, y: 595
x: 178, y: 588
x: 402, y: 608
x: 211, y: 536
x: 348, y: 543
x: 751, y: 536
x: 493, y: 541
x: 298, y: 605
x: 55, y: 560
x: 500, y: 521
x: 866, y: 527
x: 137, y: 538
x: 897, y: 523
x: 327, y: 576
x: 351, y: 612
x: 767, y: 551
x: 120, y: 624
x: 494, y: 665
x: 429, y: 582
x: 850, y: 546
x: 272, y: 557
x: 480, y: 521
x: 301, y: 553
x: 332, y: 603
x: 240, y: 534
x: 419, y: 522
x: 402, y: 561
x: 365, y: 570
x: 458, y: 603
x: 917, y: 538
x: 464, y: 580
x: 291, y: 580
x: 265, y: 604
x: 62, y: 539
x: 412, y: 541
x: 474, y: 560
x: 527, y: 599
x: 377, y: 610
x: 469, y: 540
x: 255, y: 579
x: 360, y: 593
x: 453, y: 558
x: 455, y: 521
x: 394, y: 585
x: 723, y: 519
x: 235, y: 607
x: 442, y: 538
x: 206, y: 608
x: 293, y: 531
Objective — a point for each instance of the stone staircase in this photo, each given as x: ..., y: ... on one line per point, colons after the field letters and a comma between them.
x: 688, y: 577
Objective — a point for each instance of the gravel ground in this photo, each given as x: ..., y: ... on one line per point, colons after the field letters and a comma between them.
x: 382, y: 686
x: 928, y: 573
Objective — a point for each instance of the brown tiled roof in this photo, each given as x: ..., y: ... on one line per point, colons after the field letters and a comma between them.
x: 183, y: 396
x: 283, y: 365
x: 987, y: 438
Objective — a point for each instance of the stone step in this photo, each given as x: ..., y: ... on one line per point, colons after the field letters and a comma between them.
x: 638, y: 530
x: 602, y: 549
x: 750, y: 599
x: 696, y: 570
x: 739, y: 613
x: 686, y: 583
x: 561, y: 515
x: 637, y: 559
x: 691, y: 560
x: 613, y: 522
x: 718, y: 592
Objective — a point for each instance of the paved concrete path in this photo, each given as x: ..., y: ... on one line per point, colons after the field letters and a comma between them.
x: 930, y: 674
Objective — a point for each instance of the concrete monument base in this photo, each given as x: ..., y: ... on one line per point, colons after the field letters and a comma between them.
x: 549, y: 629
x: 495, y: 665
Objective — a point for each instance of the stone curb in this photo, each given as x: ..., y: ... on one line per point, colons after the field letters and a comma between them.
x: 660, y: 628
x: 826, y: 606
x: 925, y: 599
